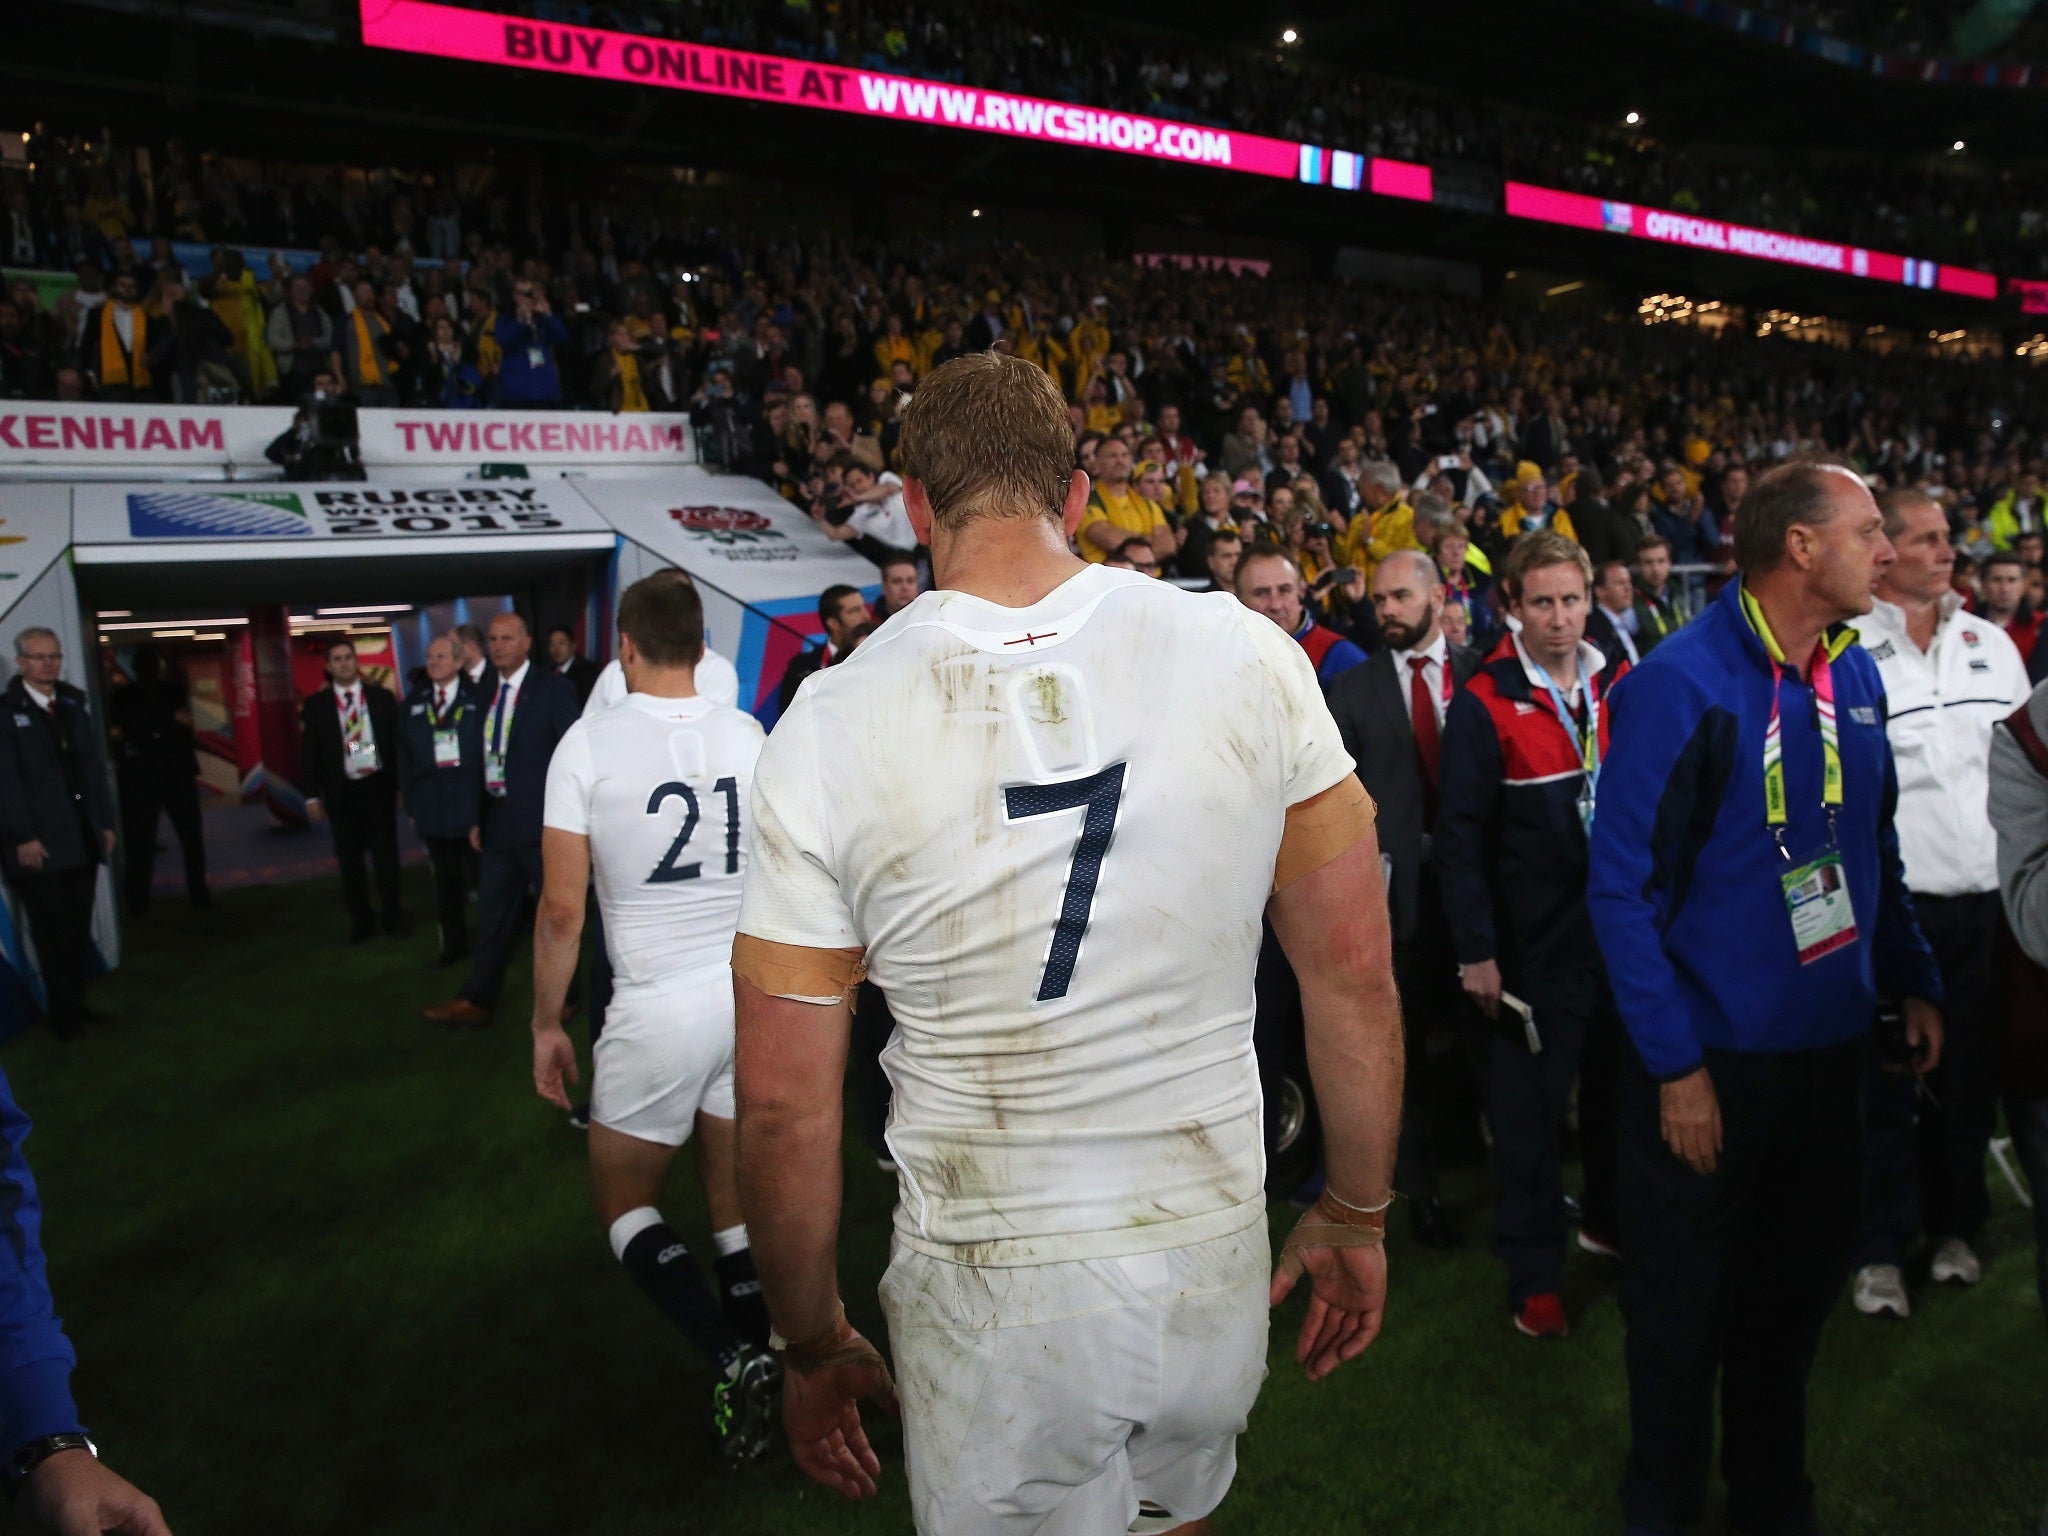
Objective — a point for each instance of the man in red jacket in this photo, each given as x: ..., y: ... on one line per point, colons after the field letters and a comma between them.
x: 1522, y: 748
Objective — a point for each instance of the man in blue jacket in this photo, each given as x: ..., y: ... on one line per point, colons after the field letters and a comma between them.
x: 529, y: 338
x: 49, y: 1465
x: 1748, y: 894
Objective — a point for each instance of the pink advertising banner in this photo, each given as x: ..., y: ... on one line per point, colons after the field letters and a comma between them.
x: 1552, y: 206
x: 453, y: 32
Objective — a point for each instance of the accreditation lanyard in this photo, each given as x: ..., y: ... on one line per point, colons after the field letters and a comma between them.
x: 1585, y: 739
x: 1820, y: 673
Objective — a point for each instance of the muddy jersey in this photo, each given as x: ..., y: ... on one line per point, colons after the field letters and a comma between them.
x: 1053, y: 830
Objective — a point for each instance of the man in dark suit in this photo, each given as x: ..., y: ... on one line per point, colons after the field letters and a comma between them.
x: 350, y: 732
x: 842, y: 610
x: 580, y: 670
x: 158, y: 770
x: 441, y: 766
x: 1657, y: 601
x: 528, y: 713
x: 1611, y: 621
x: 1391, y: 713
x: 56, y: 819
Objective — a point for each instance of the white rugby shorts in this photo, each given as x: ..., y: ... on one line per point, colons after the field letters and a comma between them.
x: 665, y: 1054
x: 1078, y: 1398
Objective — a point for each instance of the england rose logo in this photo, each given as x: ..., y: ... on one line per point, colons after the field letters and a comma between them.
x: 725, y: 525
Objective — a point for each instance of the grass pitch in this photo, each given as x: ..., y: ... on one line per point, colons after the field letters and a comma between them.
x: 333, y: 1270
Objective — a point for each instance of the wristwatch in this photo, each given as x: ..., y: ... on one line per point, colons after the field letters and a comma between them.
x: 36, y: 1452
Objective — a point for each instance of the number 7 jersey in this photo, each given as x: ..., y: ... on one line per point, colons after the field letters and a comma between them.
x: 661, y: 788
x: 1054, y: 831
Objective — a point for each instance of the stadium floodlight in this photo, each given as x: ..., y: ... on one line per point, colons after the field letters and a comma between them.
x: 974, y: 213
x: 1956, y: 148
x: 1290, y: 37
x: 1633, y: 119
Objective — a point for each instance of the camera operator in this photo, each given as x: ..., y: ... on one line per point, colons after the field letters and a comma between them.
x: 320, y: 444
x: 728, y: 423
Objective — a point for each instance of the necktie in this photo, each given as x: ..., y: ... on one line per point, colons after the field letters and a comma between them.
x: 441, y: 701
x: 498, y: 719
x: 1428, y: 739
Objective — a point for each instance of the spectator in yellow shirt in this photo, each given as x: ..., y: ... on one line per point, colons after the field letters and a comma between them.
x: 1385, y: 522
x: 1529, y: 509
x: 1117, y: 510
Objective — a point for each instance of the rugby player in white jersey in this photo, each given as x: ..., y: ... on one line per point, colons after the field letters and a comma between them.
x: 651, y: 797
x: 1059, y: 798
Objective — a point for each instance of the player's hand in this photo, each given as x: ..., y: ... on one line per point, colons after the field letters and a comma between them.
x: 821, y: 1416
x: 1691, y: 1113
x: 1347, y: 1298
x: 32, y: 854
x: 71, y: 1494
x: 554, y: 1058
x: 1923, y: 1033
x: 1481, y: 981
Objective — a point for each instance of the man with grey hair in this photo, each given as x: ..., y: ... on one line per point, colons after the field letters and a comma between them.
x: 1384, y: 522
x: 56, y: 818
x: 1949, y: 678
x: 1746, y: 811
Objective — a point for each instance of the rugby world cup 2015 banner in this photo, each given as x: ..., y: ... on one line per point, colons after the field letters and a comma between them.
x: 356, y: 513
x: 152, y: 437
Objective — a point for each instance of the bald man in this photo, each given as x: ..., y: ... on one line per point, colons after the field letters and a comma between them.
x: 526, y: 714
x: 1390, y: 712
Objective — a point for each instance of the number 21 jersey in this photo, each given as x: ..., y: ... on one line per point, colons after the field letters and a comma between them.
x: 661, y: 788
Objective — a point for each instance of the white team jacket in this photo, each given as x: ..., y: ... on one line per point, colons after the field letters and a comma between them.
x: 1942, y: 704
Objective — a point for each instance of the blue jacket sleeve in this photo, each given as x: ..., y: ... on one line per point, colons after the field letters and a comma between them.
x: 1904, y: 961
x: 35, y: 1357
x: 1650, y: 763
x: 1468, y: 804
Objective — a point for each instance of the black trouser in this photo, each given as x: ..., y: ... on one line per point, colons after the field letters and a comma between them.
x: 450, y: 858
x: 1731, y: 1274
x: 364, y: 817
x: 1923, y: 1153
x: 1578, y: 1027
x: 1426, y: 971
x: 511, y: 872
x: 58, y: 906
x: 146, y: 790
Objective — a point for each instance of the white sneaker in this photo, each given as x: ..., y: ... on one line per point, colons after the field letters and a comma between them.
x: 1881, y: 1288
x: 1955, y: 1260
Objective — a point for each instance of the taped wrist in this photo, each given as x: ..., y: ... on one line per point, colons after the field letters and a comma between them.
x: 1330, y: 1224
x: 833, y: 1345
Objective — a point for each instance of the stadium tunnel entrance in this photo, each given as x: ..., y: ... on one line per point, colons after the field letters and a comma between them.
x: 242, y: 587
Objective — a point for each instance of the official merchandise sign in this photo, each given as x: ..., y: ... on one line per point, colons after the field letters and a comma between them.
x: 357, y: 513
x: 1551, y: 206
x: 452, y: 32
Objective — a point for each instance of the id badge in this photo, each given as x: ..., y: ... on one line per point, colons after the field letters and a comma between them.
x: 1823, y: 919
x: 494, y: 772
x: 447, y: 749
x: 362, y: 757
x: 535, y: 358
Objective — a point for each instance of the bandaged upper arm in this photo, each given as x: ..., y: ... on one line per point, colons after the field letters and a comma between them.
x: 798, y: 972
x: 1322, y: 827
